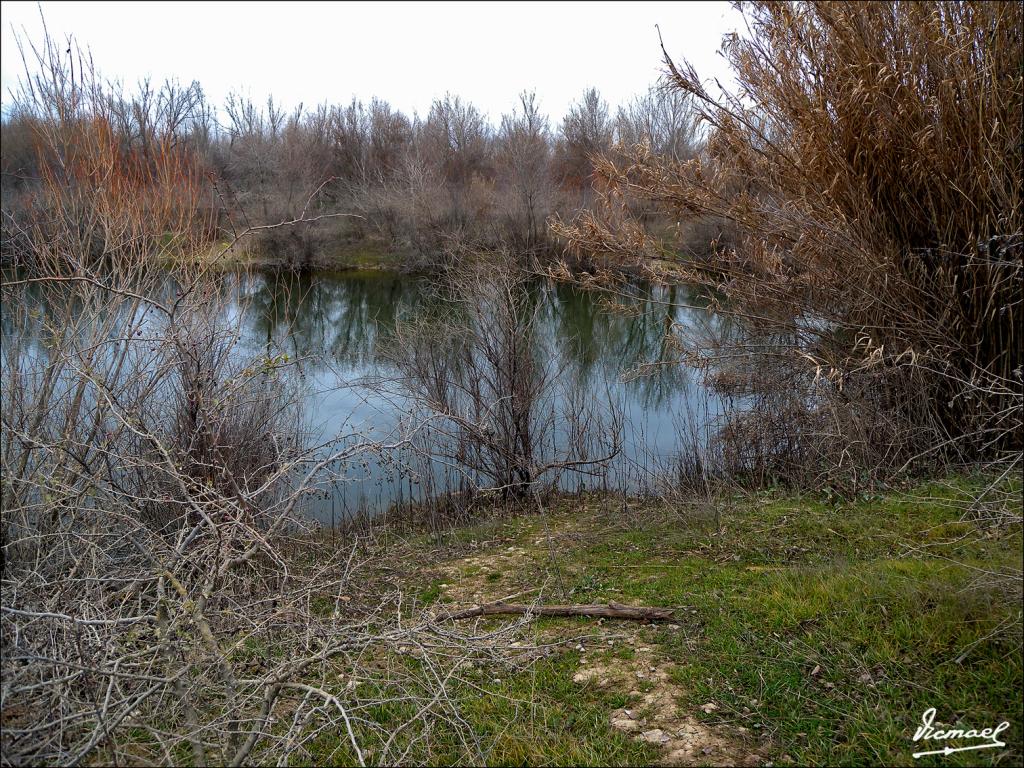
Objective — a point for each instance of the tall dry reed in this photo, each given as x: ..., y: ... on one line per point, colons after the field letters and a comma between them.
x: 870, y: 161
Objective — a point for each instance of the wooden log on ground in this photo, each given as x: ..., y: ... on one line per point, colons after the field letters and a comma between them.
x: 605, y: 611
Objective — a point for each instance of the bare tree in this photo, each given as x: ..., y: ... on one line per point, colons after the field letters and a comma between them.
x: 663, y: 118
x: 586, y: 133
x: 524, y: 155
x: 455, y: 137
x: 482, y: 375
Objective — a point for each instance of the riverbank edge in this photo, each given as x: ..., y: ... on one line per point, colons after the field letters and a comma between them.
x: 378, y: 255
x: 364, y: 255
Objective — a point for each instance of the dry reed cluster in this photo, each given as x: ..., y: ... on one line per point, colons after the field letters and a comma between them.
x: 869, y: 169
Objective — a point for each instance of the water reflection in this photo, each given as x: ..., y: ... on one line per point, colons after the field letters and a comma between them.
x: 334, y: 321
x: 334, y: 325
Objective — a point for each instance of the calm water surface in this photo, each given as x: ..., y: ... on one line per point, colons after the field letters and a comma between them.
x: 336, y: 326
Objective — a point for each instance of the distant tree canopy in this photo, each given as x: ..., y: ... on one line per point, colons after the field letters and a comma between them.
x: 417, y: 182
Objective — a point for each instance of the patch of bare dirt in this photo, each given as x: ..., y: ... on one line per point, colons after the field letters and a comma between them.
x: 483, y: 577
x: 654, y: 714
x: 499, y: 573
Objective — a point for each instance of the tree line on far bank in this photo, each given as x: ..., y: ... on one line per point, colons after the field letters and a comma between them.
x: 411, y: 185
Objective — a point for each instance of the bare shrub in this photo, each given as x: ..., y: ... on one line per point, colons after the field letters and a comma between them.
x: 163, y: 596
x: 481, y: 374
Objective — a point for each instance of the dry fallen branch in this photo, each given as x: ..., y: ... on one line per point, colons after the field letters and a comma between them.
x: 607, y: 611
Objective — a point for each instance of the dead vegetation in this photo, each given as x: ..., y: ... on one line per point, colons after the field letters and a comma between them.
x: 416, y: 184
x: 164, y: 601
x: 868, y: 167
x: 162, y: 598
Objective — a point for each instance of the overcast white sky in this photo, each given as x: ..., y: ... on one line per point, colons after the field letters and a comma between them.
x: 407, y: 53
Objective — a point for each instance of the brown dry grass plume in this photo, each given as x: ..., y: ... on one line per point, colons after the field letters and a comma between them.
x: 110, y: 189
x: 870, y: 161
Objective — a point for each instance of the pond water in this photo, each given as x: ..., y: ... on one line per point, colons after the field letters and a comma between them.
x: 336, y: 327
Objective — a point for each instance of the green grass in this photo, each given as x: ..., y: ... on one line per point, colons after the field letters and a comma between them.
x: 826, y: 628
x: 363, y: 258
x: 364, y: 255
x: 430, y: 593
x: 539, y: 717
x: 843, y: 623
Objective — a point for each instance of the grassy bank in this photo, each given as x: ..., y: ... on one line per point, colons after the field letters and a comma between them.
x: 806, y: 632
x: 365, y: 254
